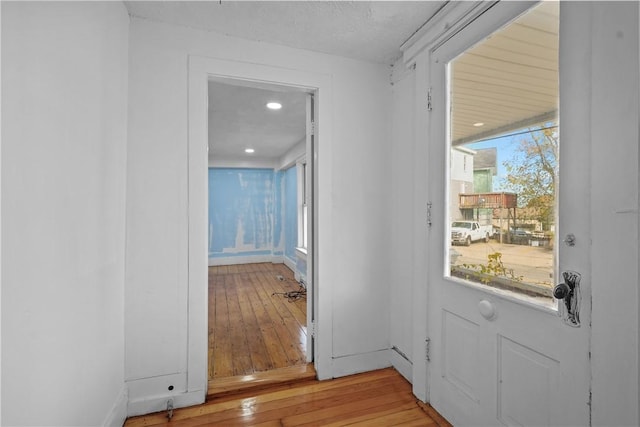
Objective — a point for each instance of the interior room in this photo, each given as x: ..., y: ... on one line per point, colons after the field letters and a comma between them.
x: 257, y: 230
x: 106, y: 168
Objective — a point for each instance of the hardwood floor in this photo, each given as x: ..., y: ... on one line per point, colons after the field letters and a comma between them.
x: 379, y: 398
x: 252, y: 327
x: 258, y: 372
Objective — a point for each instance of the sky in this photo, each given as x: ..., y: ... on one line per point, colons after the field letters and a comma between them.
x: 507, y: 146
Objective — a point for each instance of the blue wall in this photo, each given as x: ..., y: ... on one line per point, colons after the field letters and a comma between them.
x: 249, y: 212
x: 290, y: 213
x: 278, y: 212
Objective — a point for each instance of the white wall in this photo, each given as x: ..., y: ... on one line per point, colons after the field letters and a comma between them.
x: 64, y: 103
x: 614, y: 128
x: 461, y: 164
x: 402, y: 231
x: 355, y: 156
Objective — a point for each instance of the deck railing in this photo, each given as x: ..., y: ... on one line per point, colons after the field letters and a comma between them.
x: 488, y: 200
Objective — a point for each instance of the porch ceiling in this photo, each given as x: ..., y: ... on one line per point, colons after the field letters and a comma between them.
x: 510, y: 80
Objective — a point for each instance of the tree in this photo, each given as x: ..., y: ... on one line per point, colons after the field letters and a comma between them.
x: 532, y: 173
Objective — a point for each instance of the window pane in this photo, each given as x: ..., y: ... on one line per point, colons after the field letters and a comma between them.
x: 304, y: 226
x: 503, y: 167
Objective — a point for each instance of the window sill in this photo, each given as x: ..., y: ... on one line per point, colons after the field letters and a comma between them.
x: 301, y: 253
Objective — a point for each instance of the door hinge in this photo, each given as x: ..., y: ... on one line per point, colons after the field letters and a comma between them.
x: 313, y: 128
x: 427, y: 349
x: 429, y: 206
x: 312, y: 329
x: 429, y: 108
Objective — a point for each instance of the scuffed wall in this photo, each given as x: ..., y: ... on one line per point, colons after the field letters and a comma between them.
x: 290, y: 213
x: 243, y: 213
x: 252, y: 215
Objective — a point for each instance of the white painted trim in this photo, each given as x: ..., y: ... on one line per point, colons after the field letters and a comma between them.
x: 248, y: 259
x: 402, y: 365
x: 364, y: 362
x: 612, y: 132
x: 200, y: 70
x: 118, y: 413
x: 147, y: 395
x: 291, y: 264
x: 159, y: 403
x: 198, y: 199
x: 301, y: 253
x: 420, y: 251
x: 239, y: 162
x: 0, y: 226
x: 447, y: 21
x: 144, y: 388
x: 291, y: 157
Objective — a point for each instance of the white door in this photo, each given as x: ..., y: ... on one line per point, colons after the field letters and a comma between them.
x: 503, y: 351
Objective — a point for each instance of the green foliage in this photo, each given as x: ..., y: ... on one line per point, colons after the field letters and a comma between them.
x: 493, y: 268
x: 532, y: 173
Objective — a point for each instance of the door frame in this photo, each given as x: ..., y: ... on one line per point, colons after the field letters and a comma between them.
x: 452, y: 18
x: 200, y: 69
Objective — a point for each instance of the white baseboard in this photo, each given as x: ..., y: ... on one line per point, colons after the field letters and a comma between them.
x: 159, y: 403
x: 365, y: 362
x: 291, y: 264
x: 118, y: 413
x: 401, y: 364
x: 249, y: 259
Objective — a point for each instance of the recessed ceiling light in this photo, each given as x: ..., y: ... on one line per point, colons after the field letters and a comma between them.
x: 478, y: 124
x: 249, y: 150
x: 274, y: 105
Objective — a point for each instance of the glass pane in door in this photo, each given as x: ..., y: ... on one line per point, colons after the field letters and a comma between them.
x: 503, y: 158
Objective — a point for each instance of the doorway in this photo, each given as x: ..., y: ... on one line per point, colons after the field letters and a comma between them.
x: 259, y: 227
x: 201, y: 70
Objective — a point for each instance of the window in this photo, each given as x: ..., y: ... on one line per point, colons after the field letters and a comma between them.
x: 503, y: 141
x: 303, y: 216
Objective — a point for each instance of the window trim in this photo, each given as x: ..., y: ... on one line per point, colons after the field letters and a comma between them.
x: 302, y: 203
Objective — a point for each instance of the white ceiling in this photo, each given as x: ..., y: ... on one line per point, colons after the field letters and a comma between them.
x: 368, y: 30
x: 239, y: 119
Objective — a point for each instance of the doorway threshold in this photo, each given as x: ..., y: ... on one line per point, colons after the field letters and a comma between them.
x: 259, y: 380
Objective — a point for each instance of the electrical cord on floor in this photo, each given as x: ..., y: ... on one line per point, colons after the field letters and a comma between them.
x: 292, y: 295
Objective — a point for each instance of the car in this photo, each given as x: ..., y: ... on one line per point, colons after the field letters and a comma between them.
x: 520, y: 232
x: 520, y: 236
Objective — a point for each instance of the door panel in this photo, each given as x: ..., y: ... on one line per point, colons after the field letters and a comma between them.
x: 525, y: 384
x: 502, y: 353
x: 460, y: 347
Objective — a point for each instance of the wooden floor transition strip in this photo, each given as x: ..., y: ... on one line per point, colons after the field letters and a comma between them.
x: 260, y: 380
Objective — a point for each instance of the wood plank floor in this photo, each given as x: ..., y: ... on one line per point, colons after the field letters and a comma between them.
x: 252, y: 327
x: 378, y: 398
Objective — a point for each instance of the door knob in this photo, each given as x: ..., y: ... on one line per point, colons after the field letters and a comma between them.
x: 487, y: 309
x: 561, y: 291
x: 569, y: 292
